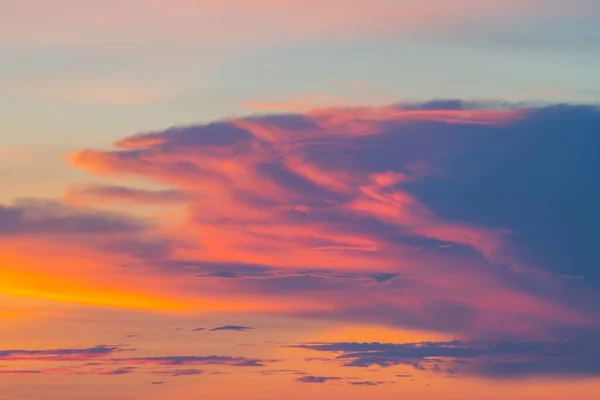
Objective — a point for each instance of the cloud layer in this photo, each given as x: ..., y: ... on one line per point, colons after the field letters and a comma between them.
x: 457, y: 217
x: 444, y: 205
x: 103, y: 360
x: 495, y: 359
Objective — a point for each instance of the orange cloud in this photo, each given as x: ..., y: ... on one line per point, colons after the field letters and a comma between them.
x: 281, y: 206
x: 86, y: 194
x: 311, y: 215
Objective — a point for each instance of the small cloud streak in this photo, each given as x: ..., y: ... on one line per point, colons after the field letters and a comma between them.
x: 198, y: 360
x: 235, y: 328
x: 61, y: 354
x: 102, y: 360
x: 369, y: 383
x: 86, y: 194
x: 317, y: 379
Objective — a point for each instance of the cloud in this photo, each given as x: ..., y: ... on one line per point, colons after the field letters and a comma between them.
x: 104, y: 360
x: 449, y: 216
x: 384, y: 277
x: 54, y: 251
x: 180, y: 372
x: 317, y: 379
x: 20, y: 372
x: 436, y: 216
x: 75, y: 370
x: 310, y: 101
x: 503, y: 359
x: 47, y: 217
x: 281, y: 371
x: 120, y: 371
x: 86, y: 194
x: 430, y: 211
x: 368, y: 383
x: 236, y: 328
x: 199, y: 360
x: 60, y: 354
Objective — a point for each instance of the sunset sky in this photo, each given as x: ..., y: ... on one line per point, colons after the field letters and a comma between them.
x: 299, y: 199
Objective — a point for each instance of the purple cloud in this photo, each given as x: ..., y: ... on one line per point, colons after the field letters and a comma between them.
x: 52, y: 218
x: 501, y: 359
x: 235, y: 328
x: 317, y: 379
x: 373, y: 203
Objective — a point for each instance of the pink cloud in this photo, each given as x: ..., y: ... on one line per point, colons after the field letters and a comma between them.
x: 84, y: 194
x: 326, y: 214
x: 309, y: 192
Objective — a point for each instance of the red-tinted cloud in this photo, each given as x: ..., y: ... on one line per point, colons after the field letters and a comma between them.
x: 328, y: 214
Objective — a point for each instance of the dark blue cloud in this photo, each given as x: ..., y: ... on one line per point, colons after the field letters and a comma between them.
x: 54, y: 354
x: 531, y: 172
x: 103, y: 360
x: 317, y: 379
x: 120, y: 371
x: 502, y: 359
x: 236, y: 328
x: 537, y: 177
x: 215, y: 134
x: 384, y: 277
x: 48, y: 217
x: 199, y: 360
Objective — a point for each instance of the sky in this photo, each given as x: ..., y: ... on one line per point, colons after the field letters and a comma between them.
x: 292, y: 199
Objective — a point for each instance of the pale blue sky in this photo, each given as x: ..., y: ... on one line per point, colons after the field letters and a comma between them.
x: 63, y: 95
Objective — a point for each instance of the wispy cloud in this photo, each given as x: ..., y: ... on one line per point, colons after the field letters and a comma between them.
x: 236, y: 328
x: 503, y: 359
x: 381, y: 215
x: 104, y: 360
x: 350, y: 191
x: 60, y: 354
x: 317, y: 379
x: 85, y: 195
x: 369, y: 383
